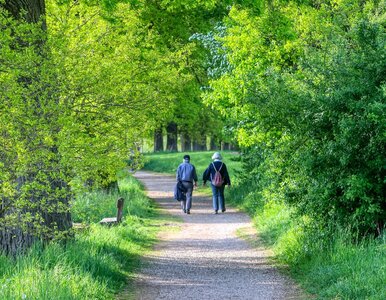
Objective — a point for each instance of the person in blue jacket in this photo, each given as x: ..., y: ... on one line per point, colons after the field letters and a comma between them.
x: 186, y: 173
x: 217, y: 191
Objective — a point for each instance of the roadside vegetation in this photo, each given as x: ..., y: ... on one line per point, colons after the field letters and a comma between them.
x: 328, y: 263
x: 97, y: 262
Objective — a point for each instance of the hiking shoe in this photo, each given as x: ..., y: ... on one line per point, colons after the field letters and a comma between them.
x: 184, y: 210
x: 215, y: 212
x: 223, y: 210
x: 188, y: 212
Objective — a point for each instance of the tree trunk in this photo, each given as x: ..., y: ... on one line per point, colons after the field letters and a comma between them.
x: 158, y: 140
x: 40, y: 208
x: 214, y: 145
x: 32, y: 11
x: 172, y: 137
x: 186, y: 143
x: 199, y: 145
x: 14, y: 240
x: 57, y: 216
x: 233, y: 147
x: 225, y: 146
x: 40, y: 213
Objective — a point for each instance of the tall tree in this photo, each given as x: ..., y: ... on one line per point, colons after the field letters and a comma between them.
x: 77, y: 95
x: 38, y: 207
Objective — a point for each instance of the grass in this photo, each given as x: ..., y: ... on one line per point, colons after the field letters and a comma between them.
x: 345, y: 271
x: 91, y: 207
x: 328, y: 266
x: 97, y: 263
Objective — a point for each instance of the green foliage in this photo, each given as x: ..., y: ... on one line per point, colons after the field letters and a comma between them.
x: 217, y: 63
x: 32, y: 179
x: 173, y: 22
x: 305, y: 92
x: 131, y: 81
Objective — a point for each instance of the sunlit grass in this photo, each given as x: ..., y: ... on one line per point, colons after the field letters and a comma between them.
x: 346, y: 271
x: 327, y: 266
x: 97, y: 263
x: 93, y: 206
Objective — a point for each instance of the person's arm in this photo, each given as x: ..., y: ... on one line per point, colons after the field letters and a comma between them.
x: 206, y: 175
x: 226, y: 176
x: 195, y: 178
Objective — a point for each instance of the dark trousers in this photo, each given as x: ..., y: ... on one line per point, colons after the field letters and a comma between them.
x: 218, y: 197
x: 187, y: 205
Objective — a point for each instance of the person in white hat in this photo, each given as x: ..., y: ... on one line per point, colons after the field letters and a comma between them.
x: 218, y: 176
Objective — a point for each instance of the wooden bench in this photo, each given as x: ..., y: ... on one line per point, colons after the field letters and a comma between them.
x: 118, y: 218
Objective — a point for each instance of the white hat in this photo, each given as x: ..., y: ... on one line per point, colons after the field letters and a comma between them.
x: 216, y: 155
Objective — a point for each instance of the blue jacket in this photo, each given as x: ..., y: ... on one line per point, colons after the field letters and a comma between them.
x: 210, y: 171
x: 186, y: 172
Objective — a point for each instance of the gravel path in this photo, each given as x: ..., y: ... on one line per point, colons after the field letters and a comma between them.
x: 206, y: 259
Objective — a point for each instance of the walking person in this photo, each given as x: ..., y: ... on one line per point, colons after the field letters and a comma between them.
x: 186, y: 173
x: 218, y: 176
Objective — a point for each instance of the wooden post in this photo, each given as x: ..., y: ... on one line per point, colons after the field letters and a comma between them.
x: 120, y: 209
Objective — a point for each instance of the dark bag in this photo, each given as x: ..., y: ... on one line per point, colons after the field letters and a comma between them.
x: 180, y: 192
x: 217, y: 179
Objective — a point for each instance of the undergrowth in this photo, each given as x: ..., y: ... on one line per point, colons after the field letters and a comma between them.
x: 97, y: 263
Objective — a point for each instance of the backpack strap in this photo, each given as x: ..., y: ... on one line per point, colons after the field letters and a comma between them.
x: 219, y: 168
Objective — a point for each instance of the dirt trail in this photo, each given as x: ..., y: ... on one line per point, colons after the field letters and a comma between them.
x: 206, y: 259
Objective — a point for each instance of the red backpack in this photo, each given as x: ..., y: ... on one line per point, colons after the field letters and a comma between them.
x: 217, y: 179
